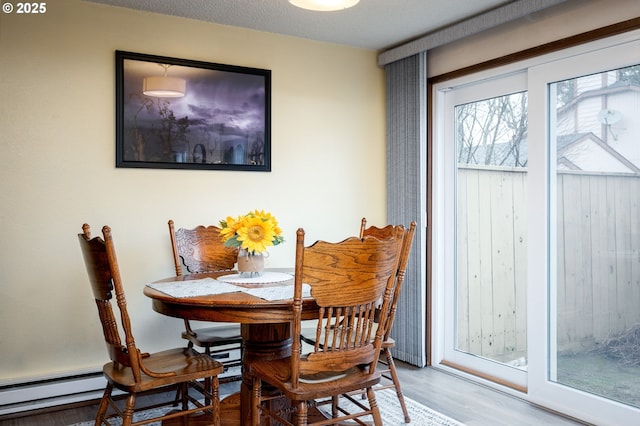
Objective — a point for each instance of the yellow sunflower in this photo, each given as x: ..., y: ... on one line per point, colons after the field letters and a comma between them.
x: 229, y: 227
x: 254, y: 231
x: 256, y: 234
x: 267, y: 217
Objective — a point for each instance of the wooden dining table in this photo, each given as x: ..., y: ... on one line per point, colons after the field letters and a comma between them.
x: 265, y: 325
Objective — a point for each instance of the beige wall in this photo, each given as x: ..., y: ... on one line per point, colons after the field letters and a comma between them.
x: 57, y: 147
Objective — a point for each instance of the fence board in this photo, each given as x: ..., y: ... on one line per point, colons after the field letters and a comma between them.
x: 485, y: 256
x: 623, y: 253
x: 597, y: 255
x: 520, y: 252
x: 474, y: 264
x: 600, y: 274
x: 465, y: 201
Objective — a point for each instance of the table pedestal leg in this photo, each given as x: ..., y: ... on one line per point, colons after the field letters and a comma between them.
x: 260, y: 342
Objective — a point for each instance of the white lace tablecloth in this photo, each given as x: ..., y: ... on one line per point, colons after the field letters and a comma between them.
x: 210, y: 286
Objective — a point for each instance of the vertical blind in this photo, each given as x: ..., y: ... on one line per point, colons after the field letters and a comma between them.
x: 406, y: 113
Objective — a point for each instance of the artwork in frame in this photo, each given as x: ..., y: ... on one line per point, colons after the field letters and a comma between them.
x: 182, y: 114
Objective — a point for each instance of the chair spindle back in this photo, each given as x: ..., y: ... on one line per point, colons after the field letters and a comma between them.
x: 200, y: 249
x: 104, y: 274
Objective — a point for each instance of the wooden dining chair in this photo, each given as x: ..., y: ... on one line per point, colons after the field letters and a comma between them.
x: 135, y: 372
x: 346, y: 280
x: 390, y: 373
x: 199, y: 250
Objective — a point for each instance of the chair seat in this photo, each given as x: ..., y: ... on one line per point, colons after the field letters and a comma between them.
x: 388, y: 343
x: 186, y: 364
x: 347, y: 381
x: 215, y: 336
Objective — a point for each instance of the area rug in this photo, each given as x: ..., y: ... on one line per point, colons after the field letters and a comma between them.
x: 387, y: 401
x: 392, y: 413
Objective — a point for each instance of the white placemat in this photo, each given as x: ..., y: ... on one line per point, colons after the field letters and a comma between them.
x: 266, y: 278
x: 194, y: 288
x: 277, y: 292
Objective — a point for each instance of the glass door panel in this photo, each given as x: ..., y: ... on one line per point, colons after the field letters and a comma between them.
x: 491, y: 229
x: 595, y: 344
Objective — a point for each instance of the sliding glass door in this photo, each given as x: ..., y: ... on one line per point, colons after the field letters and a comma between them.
x: 537, y: 240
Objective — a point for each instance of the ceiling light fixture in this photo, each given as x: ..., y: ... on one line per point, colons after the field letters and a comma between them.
x: 324, y: 5
x: 163, y: 86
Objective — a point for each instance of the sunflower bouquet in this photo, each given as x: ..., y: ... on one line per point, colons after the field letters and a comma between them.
x: 253, y: 232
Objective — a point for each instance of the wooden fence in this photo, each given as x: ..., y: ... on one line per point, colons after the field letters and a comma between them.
x: 598, y: 259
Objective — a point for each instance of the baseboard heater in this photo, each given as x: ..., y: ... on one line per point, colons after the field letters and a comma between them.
x: 45, y: 392
x: 49, y: 392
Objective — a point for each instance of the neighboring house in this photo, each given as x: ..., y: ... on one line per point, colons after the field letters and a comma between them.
x: 598, y: 129
x: 586, y: 151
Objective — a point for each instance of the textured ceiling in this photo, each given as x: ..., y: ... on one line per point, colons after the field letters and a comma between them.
x: 371, y: 24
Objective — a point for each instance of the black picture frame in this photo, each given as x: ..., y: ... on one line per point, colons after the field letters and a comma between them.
x: 223, y: 121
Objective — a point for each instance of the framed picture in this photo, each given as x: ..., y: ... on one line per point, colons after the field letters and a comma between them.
x: 180, y: 114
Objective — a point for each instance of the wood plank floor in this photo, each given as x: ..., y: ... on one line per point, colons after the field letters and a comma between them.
x: 467, y: 402
x: 471, y: 403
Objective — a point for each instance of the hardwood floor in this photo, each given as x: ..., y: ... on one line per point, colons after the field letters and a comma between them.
x: 467, y: 402
x: 471, y: 403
